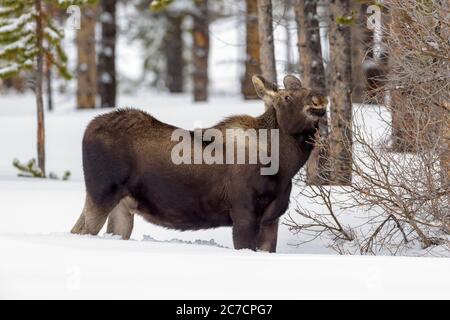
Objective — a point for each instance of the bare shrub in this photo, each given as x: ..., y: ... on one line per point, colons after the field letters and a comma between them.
x: 399, y: 196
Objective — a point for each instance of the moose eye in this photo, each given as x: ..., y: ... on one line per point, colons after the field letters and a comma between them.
x: 288, y: 98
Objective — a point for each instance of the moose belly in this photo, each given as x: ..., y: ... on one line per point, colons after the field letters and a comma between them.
x: 195, y: 215
x: 180, y: 200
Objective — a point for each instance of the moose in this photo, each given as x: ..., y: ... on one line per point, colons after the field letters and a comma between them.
x: 128, y: 170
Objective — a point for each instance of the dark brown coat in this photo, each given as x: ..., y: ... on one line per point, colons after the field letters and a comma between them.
x: 128, y: 169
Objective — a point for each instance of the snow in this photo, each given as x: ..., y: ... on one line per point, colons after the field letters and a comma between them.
x: 41, y: 259
x: 62, y: 266
x: 52, y: 34
x: 21, y: 43
x: 12, y: 68
x: 7, y: 10
x: 15, y: 24
x: 105, y: 77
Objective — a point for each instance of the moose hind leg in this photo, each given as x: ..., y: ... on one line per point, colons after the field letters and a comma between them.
x: 93, y: 217
x: 79, y: 225
x: 121, y: 218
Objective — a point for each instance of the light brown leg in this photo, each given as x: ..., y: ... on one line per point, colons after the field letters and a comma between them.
x: 267, y: 239
x: 121, y: 218
x: 79, y: 225
x: 91, y: 219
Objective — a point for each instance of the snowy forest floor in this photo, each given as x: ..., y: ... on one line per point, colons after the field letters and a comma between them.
x: 39, y: 258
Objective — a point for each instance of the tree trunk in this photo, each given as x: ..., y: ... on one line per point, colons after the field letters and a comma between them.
x: 310, y: 50
x: 404, y: 122
x: 378, y: 55
x: 313, y: 75
x: 445, y: 154
x: 107, y: 85
x: 38, y: 88
x: 252, y: 59
x: 173, y: 47
x: 87, y: 68
x: 290, y: 66
x: 358, y: 50
x: 49, y: 78
x: 340, y: 156
x: 266, y: 41
x: 201, y: 50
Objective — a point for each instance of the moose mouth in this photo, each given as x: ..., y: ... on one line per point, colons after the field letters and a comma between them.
x: 317, y: 112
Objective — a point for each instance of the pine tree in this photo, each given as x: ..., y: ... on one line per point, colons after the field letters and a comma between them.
x: 27, y: 35
x: 313, y: 75
x: 266, y: 41
x: 18, y: 37
x: 200, y: 50
x: 359, y: 50
x: 340, y: 141
x: 164, y: 53
x: 87, y: 58
x: 107, y: 84
x: 252, y: 61
x: 173, y: 52
x: 157, y: 5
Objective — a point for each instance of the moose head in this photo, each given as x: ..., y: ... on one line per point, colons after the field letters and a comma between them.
x: 297, y: 108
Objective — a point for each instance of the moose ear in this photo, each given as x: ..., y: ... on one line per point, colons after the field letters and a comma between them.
x: 263, y: 87
x: 292, y: 83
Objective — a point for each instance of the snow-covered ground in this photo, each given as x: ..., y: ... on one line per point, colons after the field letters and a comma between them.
x: 40, y: 259
x: 62, y: 266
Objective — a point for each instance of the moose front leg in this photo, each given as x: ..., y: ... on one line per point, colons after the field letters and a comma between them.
x: 245, y: 229
x: 268, y: 235
x: 268, y: 231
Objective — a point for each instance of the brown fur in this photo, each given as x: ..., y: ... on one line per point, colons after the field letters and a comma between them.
x: 128, y: 169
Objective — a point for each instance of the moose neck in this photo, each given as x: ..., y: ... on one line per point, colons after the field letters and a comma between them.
x: 295, y: 149
x: 268, y: 119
